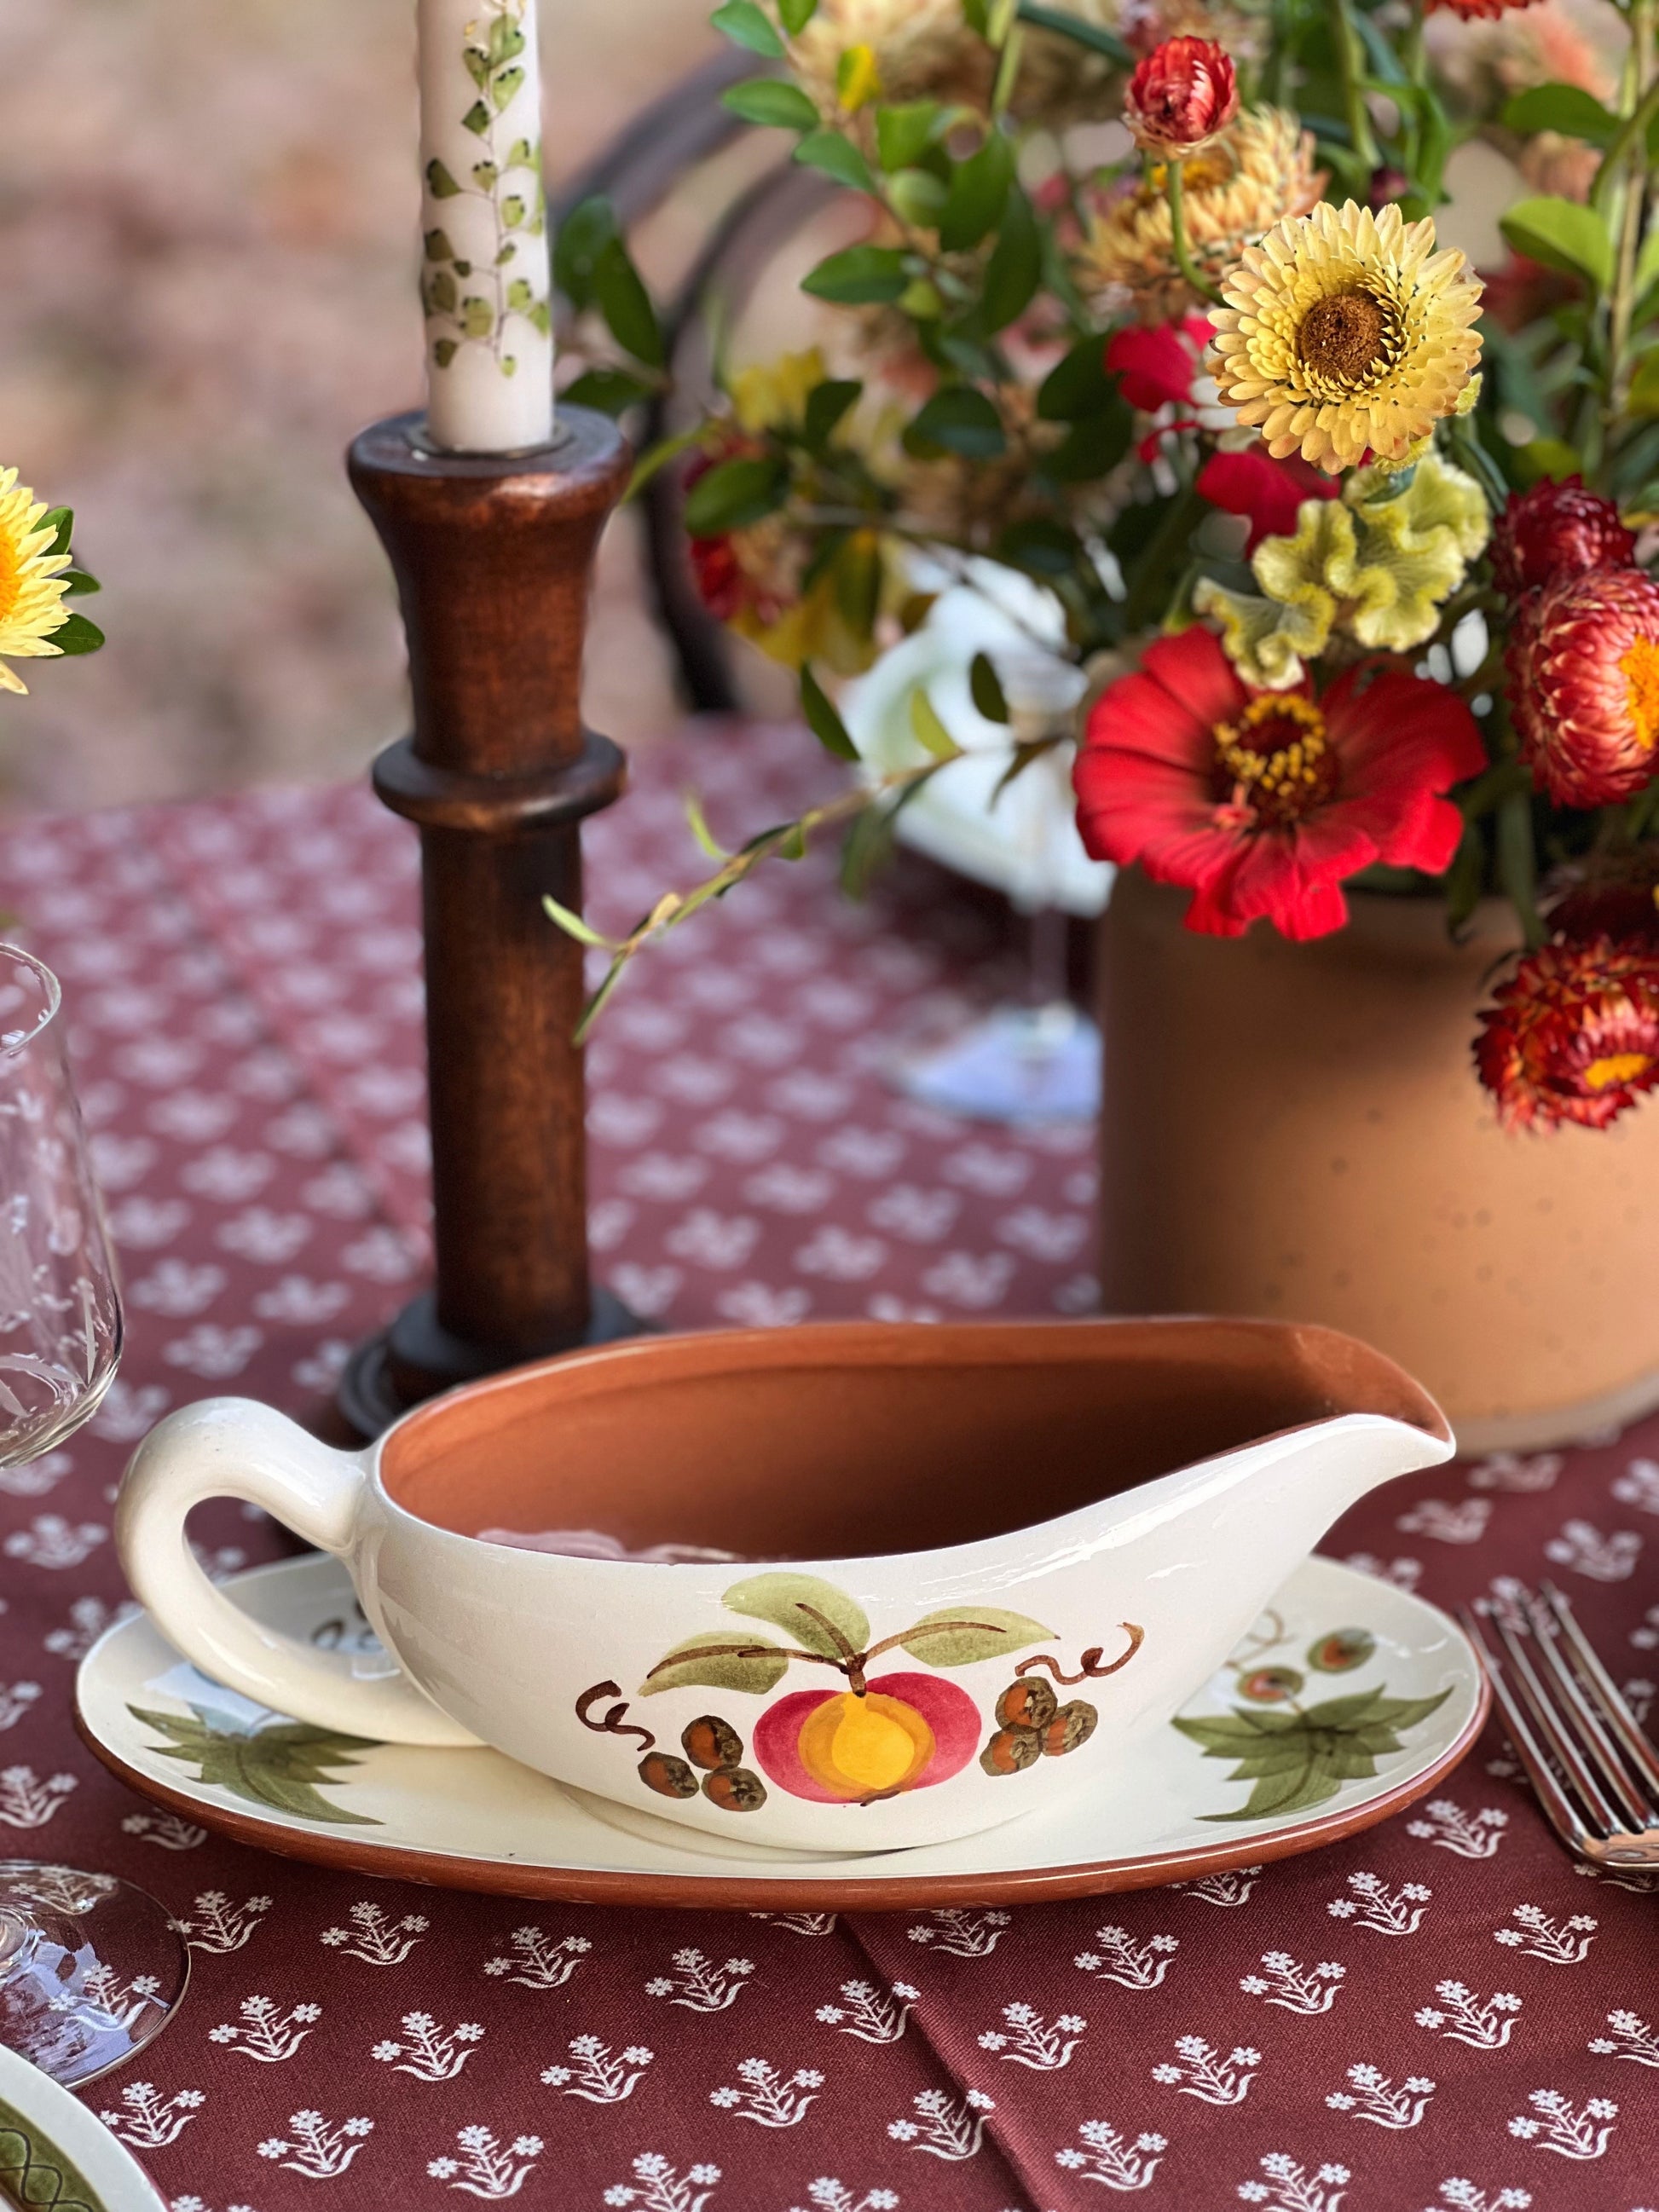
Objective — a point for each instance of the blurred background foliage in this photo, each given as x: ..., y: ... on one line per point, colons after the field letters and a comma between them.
x: 208, y: 223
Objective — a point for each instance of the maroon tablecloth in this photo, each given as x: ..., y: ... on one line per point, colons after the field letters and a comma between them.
x: 1442, y: 2013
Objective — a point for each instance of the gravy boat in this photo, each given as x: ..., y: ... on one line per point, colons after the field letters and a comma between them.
x: 907, y: 1583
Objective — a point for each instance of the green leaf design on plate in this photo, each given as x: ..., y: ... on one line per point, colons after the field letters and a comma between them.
x: 275, y: 1765
x: 791, y: 1601
x: 719, y: 1660
x: 1299, y: 1760
x: 33, y: 2172
x: 963, y: 1634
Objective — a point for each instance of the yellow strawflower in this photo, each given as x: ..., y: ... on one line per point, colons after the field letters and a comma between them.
x: 1259, y: 170
x: 32, y: 581
x: 1344, y: 332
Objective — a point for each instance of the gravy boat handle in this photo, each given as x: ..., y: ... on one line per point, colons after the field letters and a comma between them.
x: 235, y: 1448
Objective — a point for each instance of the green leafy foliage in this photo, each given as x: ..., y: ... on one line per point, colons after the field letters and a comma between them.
x: 962, y: 1635
x: 978, y: 193
x: 796, y: 15
x: 277, y: 1766
x: 957, y: 420
x: 1014, y: 268
x: 802, y: 1605
x: 439, y: 181
x: 859, y: 275
x: 1562, y: 235
x: 718, y: 1661
x: 1296, y: 1759
x: 611, y: 391
x: 837, y: 157
x: 821, y: 720
x: 622, y: 299
x: 582, y: 238
x: 985, y: 686
x: 746, y: 25
x: 76, y: 635
x: 827, y: 406
x: 736, y: 492
x: 769, y: 101
x: 1567, y: 108
x: 903, y: 133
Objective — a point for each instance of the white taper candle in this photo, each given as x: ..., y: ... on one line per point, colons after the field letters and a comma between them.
x: 485, y: 282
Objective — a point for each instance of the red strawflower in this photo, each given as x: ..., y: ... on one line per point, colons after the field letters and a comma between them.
x: 1573, y: 1035
x: 1583, y: 684
x: 1269, y: 492
x: 1556, y: 530
x: 1179, y: 97
x: 1262, y: 803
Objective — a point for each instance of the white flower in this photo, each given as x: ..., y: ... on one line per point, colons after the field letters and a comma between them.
x: 903, y: 2130
x: 704, y: 2176
x: 726, y: 2098
x: 637, y: 2054
x: 991, y: 2040
x: 356, y: 2127
x: 223, y: 2034
x: 980, y: 2101
x: 441, y: 2168
x: 386, y: 2050
x: 555, y: 2077
x: 527, y: 2146
x: 1164, y: 2073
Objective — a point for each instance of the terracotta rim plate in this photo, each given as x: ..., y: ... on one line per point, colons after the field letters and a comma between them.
x: 56, y: 2154
x: 1409, y: 1697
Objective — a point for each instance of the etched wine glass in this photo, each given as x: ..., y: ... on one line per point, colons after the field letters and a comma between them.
x: 91, y: 1967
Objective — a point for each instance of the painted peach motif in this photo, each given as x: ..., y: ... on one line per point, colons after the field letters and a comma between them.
x: 842, y: 1746
x: 869, y: 1736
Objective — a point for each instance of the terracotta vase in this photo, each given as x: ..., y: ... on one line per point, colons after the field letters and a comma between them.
x: 1294, y: 1131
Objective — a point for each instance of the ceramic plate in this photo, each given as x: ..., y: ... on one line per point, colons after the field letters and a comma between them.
x: 55, y: 2156
x: 1404, y: 1693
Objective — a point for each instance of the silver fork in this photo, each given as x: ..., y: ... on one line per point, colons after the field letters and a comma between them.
x: 1595, y: 1774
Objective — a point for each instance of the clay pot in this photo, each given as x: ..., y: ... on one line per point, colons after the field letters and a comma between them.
x: 1295, y: 1132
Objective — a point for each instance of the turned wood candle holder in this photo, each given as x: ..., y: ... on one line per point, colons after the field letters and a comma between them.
x: 493, y: 556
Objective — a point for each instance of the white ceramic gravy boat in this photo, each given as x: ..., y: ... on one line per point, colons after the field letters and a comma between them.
x: 956, y: 1569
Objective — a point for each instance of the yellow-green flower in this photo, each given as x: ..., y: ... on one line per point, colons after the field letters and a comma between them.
x: 1375, y: 566
x: 32, y: 581
x: 1344, y: 332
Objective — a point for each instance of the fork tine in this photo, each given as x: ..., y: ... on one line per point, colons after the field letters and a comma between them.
x: 1545, y: 1648
x: 1557, y: 1733
x: 1561, y: 1813
x: 1599, y: 1683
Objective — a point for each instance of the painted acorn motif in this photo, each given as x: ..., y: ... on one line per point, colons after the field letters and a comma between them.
x: 1035, y: 1725
x: 1269, y: 1685
x: 668, y: 1775
x: 711, y: 1743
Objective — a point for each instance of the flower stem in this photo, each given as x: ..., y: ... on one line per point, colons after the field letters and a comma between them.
x: 1350, y: 62
x: 1174, y: 185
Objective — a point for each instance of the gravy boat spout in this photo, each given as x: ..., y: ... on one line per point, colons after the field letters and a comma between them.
x: 848, y: 1587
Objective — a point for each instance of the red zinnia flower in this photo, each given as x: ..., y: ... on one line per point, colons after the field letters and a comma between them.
x: 1573, y: 1035
x: 1179, y: 97
x: 1155, y: 366
x: 1472, y: 12
x: 1556, y: 530
x: 1262, y: 802
x: 1269, y: 492
x: 1584, y: 685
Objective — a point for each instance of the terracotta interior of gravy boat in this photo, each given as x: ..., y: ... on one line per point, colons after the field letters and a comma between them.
x: 848, y: 1439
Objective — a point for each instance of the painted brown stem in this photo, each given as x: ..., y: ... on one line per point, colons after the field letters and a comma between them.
x: 614, y: 1723
x: 1092, y: 1670
x: 493, y: 558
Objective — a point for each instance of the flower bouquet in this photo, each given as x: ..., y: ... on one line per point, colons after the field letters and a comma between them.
x: 1146, y: 304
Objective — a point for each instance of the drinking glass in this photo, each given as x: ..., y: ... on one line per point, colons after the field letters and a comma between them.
x: 91, y: 1967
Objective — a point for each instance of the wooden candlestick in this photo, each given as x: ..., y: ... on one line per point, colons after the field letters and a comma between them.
x: 493, y: 556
